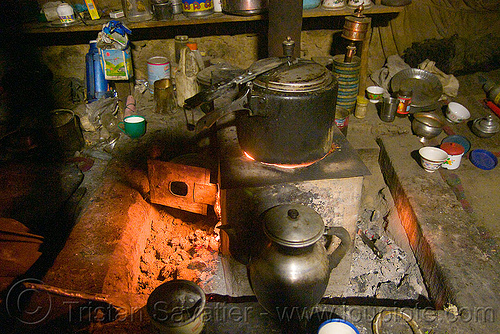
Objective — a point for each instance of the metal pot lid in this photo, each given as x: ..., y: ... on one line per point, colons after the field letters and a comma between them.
x: 487, y: 124
x: 302, y: 76
x: 293, y: 225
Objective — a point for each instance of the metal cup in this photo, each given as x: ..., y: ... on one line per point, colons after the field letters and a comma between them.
x: 388, y: 109
x: 163, y: 11
x: 164, y: 97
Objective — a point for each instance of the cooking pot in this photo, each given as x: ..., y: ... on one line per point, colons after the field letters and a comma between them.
x: 285, y: 113
x: 244, y: 7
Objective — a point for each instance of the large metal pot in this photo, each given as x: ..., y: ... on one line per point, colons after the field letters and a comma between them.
x: 286, y: 114
x: 291, y: 114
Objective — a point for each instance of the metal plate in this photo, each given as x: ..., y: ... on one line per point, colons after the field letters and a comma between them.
x: 426, y: 87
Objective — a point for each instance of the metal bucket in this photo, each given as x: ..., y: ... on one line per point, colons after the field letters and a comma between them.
x: 67, y: 130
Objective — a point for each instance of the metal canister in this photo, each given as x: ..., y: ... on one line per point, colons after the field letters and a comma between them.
x: 158, y: 68
x: 342, y: 119
x: 197, y: 8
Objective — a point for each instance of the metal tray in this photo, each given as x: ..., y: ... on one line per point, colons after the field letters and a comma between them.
x: 426, y: 87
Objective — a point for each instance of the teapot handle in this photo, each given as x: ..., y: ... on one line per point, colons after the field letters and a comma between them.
x: 345, y: 241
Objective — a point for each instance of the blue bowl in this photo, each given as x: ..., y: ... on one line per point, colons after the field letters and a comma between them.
x: 483, y: 159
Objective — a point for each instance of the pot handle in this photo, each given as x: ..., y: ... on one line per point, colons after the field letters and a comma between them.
x: 209, y: 119
x: 345, y: 242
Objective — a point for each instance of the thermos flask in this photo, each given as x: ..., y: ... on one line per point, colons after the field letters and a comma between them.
x: 97, y: 85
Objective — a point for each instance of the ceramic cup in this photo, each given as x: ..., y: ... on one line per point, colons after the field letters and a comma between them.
x: 374, y: 93
x: 455, y: 152
x: 456, y: 113
x: 432, y: 158
x: 333, y: 4
x: 357, y: 3
x: 337, y: 326
x: 133, y: 126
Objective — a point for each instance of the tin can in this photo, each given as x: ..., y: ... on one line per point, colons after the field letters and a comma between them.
x: 197, y: 8
x: 404, y: 97
x: 342, y: 119
x: 66, y: 13
x: 158, y: 68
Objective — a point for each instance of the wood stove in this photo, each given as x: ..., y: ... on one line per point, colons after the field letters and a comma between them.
x: 331, y: 186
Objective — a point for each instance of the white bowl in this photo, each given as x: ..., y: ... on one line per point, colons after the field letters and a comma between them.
x: 456, y: 113
x: 432, y: 158
x: 337, y: 326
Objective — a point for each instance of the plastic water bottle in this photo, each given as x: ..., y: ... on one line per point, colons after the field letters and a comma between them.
x: 97, y: 85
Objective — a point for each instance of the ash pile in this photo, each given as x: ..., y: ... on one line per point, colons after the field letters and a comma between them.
x: 380, y: 268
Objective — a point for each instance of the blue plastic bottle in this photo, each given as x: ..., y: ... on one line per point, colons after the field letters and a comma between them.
x: 97, y: 85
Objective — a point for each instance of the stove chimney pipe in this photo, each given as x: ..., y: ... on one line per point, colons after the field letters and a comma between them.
x: 285, y: 20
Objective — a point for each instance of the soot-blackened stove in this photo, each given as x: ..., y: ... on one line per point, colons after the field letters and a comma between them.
x: 331, y: 186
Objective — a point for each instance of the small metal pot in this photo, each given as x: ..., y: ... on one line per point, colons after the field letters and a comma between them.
x: 245, y: 7
x: 177, y: 307
x: 485, y: 127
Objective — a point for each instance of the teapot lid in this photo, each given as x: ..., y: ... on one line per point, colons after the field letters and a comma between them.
x: 293, y: 225
x: 487, y: 124
x: 300, y: 76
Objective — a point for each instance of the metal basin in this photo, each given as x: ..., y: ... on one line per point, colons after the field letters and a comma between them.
x: 426, y: 125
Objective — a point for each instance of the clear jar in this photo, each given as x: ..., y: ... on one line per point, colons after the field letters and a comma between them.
x: 137, y: 10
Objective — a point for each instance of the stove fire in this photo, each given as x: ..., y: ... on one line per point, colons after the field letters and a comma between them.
x: 287, y: 166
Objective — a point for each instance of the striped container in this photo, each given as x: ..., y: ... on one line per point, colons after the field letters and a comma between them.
x: 348, y: 77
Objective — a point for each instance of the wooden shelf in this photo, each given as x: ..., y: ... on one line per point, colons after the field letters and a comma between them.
x: 181, y: 20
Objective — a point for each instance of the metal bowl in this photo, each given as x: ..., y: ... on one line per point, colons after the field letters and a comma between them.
x: 426, y: 125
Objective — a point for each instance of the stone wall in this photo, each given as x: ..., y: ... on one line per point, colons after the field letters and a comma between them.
x: 239, y: 50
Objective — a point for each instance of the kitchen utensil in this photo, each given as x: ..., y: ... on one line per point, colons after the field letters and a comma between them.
x: 485, y: 127
x: 388, y: 109
x: 432, y: 158
x: 458, y: 140
x: 133, y: 126
x: 455, y: 153
x: 337, y: 326
x: 426, y: 87
x: 176, y: 307
x: 164, y: 97
x: 456, y: 113
x: 193, y: 8
x: 67, y: 129
x: 483, y: 159
x: 257, y: 68
x: 374, y: 93
x: 244, y: 7
x: 137, y: 10
x: 291, y: 267
x: 288, y: 111
x: 426, y: 125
